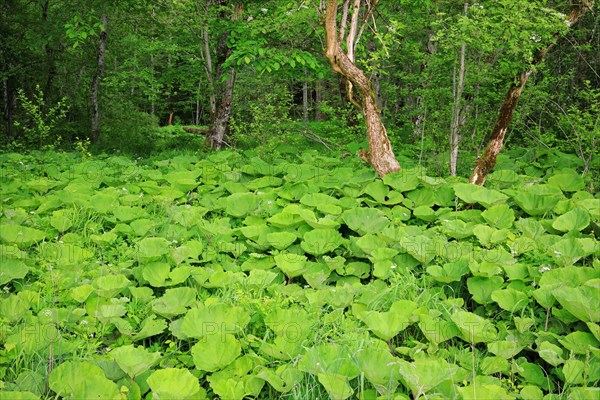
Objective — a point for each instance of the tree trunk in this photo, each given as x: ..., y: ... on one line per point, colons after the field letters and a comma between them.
x: 487, y: 161
x: 220, y: 126
x: 96, y: 80
x: 220, y: 121
x: 318, y: 99
x: 305, y: 97
x: 8, y: 108
x: 209, y: 72
x: 49, y: 54
x: 380, y: 154
x: 456, y: 106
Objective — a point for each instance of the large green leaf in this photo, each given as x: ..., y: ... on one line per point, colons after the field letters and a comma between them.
x: 110, y: 285
x: 475, y: 392
x: 575, y: 220
x: 510, y: 299
x: 568, y: 180
x: 450, y: 272
x: 174, y: 302
x: 424, y: 374
x: 538, y: 199
x: 134, y: 360
x: 329, y: 358
x: 580, y: 301
x: 82, y: 380
x: 379, y: 367
x: 320, y: 241
x: 470, y: 194
x: 241, y: 204
x: 12, y: 268
x: 291, y: 264
x: 22, y: 236
x: 500, y: 216
x: 481, y: 288
x: 388, y: 324
x: 152, y: 248
x: 175, y: 383
x: 420, y: 247
x: 365, y: 220
x: 474, y: 328
x: 212, y: 319
x: 403, y: 180
x: 215, y: 352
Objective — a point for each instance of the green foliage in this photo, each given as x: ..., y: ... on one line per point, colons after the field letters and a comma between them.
x: 168, y: 276
x: 41, y: 119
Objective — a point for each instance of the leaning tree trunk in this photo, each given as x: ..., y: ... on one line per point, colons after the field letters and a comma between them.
x: 96, y: 80
x: 380, y: 155
x: 487, y: 161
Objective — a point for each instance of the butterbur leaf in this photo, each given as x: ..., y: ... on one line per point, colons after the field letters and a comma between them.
x: 494, y: 365
x: 388, y: 324
x: 500, y: 216
x: 292, y: 265
x: 567, y: 180
x: 510, y: 299
x: 214, y: 319
x: 283, y: 379
x: 580, y: 301
x: 579, y: 342
x: 474, y: 328
x: 280, y: 240
x: 321, y: 241
x: 575, y: 220
x: 450, y: 272
x: 574, y: 371
x: 474, y: 392
x: 378, y: 365
x: 62, y: 220
x: 12, y: 268
x: 215, y: 352
x: 174, y: 301
x: 12, y: 395
x: 152, y: 248
x: 481, y: 288
x: 150, y: 327
x: 403, y: 180
x: 538, y: 199
x: 241, y: 204
x: 470, y: 194
x: 551, y: 353
x: 336, y: 385
x: 110, y: 285
x: 134, y: 360
x: 505, y: 348
x: 174, y: 383
x: 22, y: 236
x: 82, y: 380
x: 365, y: 220
x: 424, y: 374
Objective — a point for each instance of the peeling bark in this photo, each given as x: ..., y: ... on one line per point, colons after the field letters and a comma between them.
x: 487, y: 160
x: 380, y: 154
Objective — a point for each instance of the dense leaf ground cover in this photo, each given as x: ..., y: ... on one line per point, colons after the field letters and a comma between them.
x: 228, y: 275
